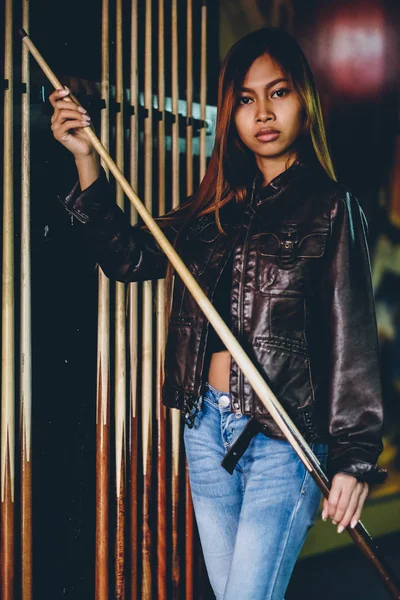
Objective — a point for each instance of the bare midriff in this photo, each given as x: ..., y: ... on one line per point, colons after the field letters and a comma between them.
x: 219, y: 371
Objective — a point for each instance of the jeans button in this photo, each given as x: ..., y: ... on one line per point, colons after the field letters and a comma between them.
x: 224, y: 402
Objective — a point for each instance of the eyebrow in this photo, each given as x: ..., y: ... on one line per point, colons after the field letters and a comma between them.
x: 267, y: 86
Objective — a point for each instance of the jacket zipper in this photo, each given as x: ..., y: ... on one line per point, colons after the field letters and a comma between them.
x: 241, y: 299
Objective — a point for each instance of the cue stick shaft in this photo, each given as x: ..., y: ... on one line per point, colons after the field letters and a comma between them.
x: 133, y: 312
x: 147, y: 325
x: 103, y: 359
x: 175, y: 416
x: 26, y: 331
x: 160, y: 334
x: 8, y: 330
x: 189, y: 191
x: 203, y: 88
x: 120, y: 334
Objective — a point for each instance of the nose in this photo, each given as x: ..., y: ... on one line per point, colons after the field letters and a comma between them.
x: 264, y: 111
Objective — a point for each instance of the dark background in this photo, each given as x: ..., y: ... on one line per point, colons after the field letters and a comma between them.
x: 362, y: 133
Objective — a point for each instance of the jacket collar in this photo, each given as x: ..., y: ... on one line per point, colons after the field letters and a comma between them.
x: 280, y: 182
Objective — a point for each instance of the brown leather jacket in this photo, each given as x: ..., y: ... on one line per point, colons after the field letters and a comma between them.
x: 302, y: 305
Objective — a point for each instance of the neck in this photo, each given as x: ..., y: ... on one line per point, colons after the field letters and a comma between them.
x: 272, y: 167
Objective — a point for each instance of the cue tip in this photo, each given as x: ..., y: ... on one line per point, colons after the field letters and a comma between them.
x: 22, y: 33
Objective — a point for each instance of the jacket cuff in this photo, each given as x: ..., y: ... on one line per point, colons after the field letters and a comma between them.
x: 90, y: 203
x: 363, y: 471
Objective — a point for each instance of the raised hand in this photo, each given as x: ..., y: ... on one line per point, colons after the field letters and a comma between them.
x: 68, y: 122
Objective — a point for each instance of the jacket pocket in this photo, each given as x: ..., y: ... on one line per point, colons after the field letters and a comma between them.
x: 287, y: 315
x: 282, y: 312
x: 312, y: 245
x: 286, y: 367
x: 289, y: 265
x: 287, y: 245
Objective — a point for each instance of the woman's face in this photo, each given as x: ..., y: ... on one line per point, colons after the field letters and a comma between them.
x: 268, y: 100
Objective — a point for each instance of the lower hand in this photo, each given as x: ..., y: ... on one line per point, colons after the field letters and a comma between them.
x: 345, y: 501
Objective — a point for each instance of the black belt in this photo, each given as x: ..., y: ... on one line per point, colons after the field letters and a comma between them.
x: 240, y: 446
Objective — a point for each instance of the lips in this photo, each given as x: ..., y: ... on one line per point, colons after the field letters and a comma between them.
x: 266, y: 132
x: 267, y: 135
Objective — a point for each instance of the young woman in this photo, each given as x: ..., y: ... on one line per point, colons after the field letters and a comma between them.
x: 280, y: 248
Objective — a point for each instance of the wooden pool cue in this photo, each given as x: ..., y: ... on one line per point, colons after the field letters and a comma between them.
x: 26, y: 329
x: 161, y: 410
x: 133, y: 322
x: 103, y: 388
x: 7, y: 471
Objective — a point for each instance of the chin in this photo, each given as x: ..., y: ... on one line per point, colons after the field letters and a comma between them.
x: 272, y: 153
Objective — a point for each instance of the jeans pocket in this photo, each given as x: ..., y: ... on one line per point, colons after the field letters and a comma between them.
x: 191, y: 413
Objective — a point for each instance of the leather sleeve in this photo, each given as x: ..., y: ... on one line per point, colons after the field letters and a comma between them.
x: 351, y: 345
x: 124, y: 252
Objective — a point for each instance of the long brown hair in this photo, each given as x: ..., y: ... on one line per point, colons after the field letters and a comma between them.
x: 232, y: 166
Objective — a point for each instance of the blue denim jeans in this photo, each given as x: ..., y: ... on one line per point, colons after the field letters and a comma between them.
x: 253, y: 523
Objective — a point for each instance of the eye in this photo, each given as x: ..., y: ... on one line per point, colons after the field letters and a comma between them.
x: 241, y: 100
x: 282, y: 92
